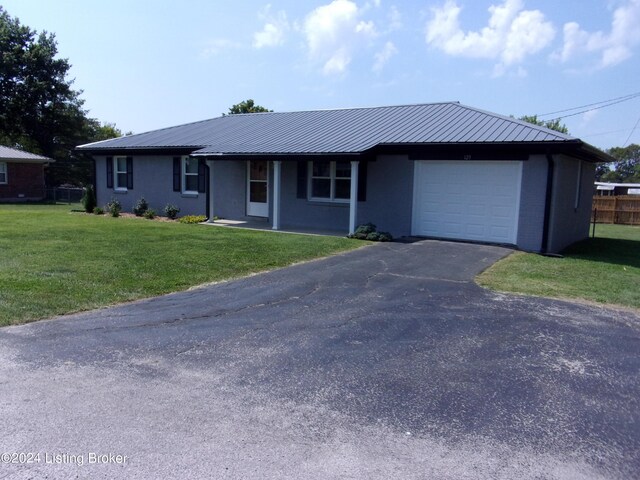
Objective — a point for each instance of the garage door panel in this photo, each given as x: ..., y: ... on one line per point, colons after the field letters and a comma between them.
x: 467, y: 200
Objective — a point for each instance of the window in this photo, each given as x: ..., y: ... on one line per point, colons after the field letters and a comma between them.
x: 120, y: 173
x: 3, y: 172
x: 330, y: 181
x: 189, y: 175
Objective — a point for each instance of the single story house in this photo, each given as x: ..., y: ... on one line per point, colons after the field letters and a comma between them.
x: 441, y: 170
x: 615, y: 189
x: 21, y: 175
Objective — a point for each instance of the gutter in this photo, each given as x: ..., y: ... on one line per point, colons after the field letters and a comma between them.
x: 547, y: 204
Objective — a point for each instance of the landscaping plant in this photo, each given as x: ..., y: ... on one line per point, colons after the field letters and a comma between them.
x: 140, y: 207
x: 192, y: 219
x: 171, y: 211
x: 114, y: 207
x: 367, y: 231
x: 89, y: 199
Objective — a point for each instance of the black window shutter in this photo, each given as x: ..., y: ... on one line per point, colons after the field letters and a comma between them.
x: 109, y: 172
x: 202, y: 176
x: 362, y: 182
x: 130, y: 173
x: 176, y: 174
x: 302, y: 179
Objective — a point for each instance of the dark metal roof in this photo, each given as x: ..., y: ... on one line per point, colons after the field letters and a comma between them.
x: 345, y: 131
x: 13, y: 154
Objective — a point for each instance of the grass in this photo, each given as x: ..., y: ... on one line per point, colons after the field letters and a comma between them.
x: 605, y: 269
x: 55, y: 261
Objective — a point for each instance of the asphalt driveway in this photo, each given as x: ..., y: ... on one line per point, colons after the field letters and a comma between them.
x: 385, y: 362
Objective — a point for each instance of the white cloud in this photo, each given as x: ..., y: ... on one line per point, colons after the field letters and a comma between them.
x: 383, y: 56
x: 273, y: 32
x: 614, y: 47
x: 219, y: 45
x: 333, y: 32
x: 511, y: 35
x: 395, y: 19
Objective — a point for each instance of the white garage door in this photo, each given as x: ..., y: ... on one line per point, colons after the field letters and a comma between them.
x: 467, y: 200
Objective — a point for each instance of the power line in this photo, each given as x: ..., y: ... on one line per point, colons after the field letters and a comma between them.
x: 631, y: 133
x: 611, y: 101
x: 588, y: 135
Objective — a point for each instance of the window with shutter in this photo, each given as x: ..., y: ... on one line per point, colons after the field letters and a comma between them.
x: 3, y: 173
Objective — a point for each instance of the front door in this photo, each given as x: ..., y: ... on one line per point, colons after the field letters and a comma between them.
x: 258, y: 188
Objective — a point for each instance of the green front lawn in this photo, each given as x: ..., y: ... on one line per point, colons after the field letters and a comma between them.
x: 605, y: 269
x: 55, y: 261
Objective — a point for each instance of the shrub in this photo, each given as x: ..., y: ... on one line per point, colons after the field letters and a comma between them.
x: 114, y: 207
x: 89, y: 199
x: 98, y: 211
x: 192, y: 219
x: 171, y: 211
x: 149, y: 214
x: 367, y: 231
x: 366, y: 228
x: 373, y: 237
x: 140, y: 207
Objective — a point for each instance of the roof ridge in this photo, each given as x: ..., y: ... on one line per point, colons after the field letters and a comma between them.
x: 373, y: 107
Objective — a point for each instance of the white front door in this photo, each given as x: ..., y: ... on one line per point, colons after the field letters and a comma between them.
x: 258, y: 188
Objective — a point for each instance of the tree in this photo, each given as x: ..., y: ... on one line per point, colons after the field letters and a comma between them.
x: 551, y: 124
x: 248, y: 106
x: 627, y: 167
x: 39, y: 110
x: 602, y: 172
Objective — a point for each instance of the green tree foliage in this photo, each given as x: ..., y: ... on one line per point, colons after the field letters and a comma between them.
x: 602, y: 171
x: 626, y: 168
x: 551, y: 124
x: 247, y: 106
x: 39, y: 110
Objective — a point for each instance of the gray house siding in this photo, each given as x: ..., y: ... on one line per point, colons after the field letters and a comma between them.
x: 389, y: 198
x: 300, y: 212
x: 389, y: 202
x: 569, y: 224
x: 153, y: 180
x: 532, y: 203
x: 229, y: 189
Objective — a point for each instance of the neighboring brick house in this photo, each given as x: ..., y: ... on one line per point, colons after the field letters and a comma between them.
x: 21, y: 175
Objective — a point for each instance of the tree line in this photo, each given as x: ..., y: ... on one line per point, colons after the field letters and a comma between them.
x: 40, y: 111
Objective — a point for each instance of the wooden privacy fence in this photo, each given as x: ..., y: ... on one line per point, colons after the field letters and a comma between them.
x: 623, y: 209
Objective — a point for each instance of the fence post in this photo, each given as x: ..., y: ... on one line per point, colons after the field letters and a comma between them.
x: 595, y: 219
x: 615, y: 209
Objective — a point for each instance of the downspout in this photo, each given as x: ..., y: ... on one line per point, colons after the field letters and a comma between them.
x: 547, y: 204
x: 94, y: 180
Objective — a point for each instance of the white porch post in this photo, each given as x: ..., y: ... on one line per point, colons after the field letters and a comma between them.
x: 211, y: 191
x: 276, y: 194
x: 353, y: 199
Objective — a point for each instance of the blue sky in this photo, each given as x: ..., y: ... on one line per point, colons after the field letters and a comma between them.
x: 145, y: 65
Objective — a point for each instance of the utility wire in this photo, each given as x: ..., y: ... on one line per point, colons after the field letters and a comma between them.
x: 631, y: 133
x: 593, y: 108
x: 611, y: 101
